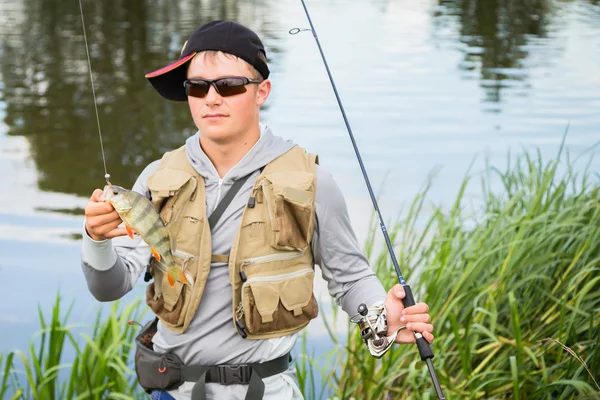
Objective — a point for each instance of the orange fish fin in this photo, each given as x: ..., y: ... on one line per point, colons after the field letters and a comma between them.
x: 156, y: 254
x: 170, y: 279
x: 182, y: 277
x: 129, y: 231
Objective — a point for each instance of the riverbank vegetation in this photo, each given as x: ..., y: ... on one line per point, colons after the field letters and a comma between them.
x: 513, y: 283
x: 100, y: 358
x: 512, y: 278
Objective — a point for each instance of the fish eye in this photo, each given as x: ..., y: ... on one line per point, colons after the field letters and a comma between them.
x: 115, y: 191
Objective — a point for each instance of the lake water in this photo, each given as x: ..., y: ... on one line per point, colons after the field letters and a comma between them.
x: 428, y: 86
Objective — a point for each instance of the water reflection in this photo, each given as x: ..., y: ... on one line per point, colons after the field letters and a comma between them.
x: 45, y: 79
x: 49, y: 95
x: 496, y: 34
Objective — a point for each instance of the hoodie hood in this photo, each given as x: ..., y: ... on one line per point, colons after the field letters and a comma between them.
x: 266, y: 149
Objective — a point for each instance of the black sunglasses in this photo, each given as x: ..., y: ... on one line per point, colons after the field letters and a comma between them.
x: 227, y: 86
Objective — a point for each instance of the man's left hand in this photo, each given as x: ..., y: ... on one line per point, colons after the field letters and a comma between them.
x: 416, y: 318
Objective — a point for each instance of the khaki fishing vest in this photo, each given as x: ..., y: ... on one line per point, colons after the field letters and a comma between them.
x: 271, y: 268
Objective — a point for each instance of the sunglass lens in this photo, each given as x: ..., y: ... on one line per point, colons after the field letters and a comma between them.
x: 230, y: 86
x: 196, y: 89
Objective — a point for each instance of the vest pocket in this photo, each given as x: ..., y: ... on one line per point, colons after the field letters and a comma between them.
x: 167, y: 187
x: 279, y: 302
x: 290, y: 201
x: 253, y: 226
x: 169, y: 303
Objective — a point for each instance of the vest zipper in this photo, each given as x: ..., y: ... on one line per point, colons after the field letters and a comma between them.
x: 276, y: 278
x: 232, y: 168
x: 219, y: 186
x: 272, y: 257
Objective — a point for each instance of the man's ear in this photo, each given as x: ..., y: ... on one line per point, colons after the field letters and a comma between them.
x: 262, y: 93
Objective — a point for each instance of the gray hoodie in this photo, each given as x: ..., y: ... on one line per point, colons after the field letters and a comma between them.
x: 112, y: 267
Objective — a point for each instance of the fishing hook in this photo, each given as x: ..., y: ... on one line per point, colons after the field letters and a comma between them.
x: 422, y: 344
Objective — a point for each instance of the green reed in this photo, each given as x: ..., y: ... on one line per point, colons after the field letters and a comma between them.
x: 100, y: 368
x: 513, y: 285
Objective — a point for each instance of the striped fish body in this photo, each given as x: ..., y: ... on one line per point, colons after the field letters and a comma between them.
x: 138, y: 213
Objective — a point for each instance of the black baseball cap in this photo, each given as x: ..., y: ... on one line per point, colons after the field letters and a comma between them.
x: 221, y: 35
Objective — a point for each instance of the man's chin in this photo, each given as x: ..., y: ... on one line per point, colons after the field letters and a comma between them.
x: 216, y: 134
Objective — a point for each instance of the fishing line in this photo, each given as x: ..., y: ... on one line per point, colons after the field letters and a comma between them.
x: 106, y: 174
x: 423, y: 345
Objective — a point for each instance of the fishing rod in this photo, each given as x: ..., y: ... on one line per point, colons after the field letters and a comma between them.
x: 106, y: 174
x: 369, y: 317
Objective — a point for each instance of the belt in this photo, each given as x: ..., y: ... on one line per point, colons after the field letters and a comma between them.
x: 250, y: 374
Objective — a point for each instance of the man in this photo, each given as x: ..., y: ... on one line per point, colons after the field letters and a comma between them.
x: 251, y: 260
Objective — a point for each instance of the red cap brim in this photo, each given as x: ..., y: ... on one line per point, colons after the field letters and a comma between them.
x: 169, y: 67
x: 168, y: 81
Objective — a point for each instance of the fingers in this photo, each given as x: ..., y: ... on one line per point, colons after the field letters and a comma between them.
x: 398, y: 291
x: 419, y: 308
x: 116, y: 232
x: 417, y: 319
x: 100, y: 217
x: 419, y: 327
x: 98, y: 225
x: 97, y: 196
x: 96, y: 205
x: 426, y: 318
x: 428, y: 336
x: 103, y: 219
x: 94, y: 208
x: 104, y: 229
x: 407, y: 335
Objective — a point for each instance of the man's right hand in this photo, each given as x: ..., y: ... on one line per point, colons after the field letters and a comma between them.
x: 101, y: 219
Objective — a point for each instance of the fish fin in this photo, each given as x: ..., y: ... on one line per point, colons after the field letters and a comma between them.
x: 184, y: 277
x: 129, y: 231
x: 170, y: 279
x: 189, y: 278
x: 156, y: 254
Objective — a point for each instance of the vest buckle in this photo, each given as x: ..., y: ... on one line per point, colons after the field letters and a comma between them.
x: 233, y: 374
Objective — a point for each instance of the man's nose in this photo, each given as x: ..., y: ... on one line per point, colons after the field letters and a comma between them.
x: 213, y: 97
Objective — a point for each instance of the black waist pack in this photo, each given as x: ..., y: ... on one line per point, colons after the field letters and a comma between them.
x: 166, y: 371
x: 155, y: 371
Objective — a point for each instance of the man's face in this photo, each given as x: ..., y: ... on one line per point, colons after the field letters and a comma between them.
x: 224, y: 119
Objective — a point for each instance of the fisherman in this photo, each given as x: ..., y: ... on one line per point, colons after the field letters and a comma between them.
x: 249, y: 215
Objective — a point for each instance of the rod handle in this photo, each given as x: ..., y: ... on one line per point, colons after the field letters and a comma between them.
x: 422, y: 344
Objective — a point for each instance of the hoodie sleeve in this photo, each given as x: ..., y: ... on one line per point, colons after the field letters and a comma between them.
x: 111, y: 267
x: 350, y: 279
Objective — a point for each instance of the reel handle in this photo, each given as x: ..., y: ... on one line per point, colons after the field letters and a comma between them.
x: 362, y: 309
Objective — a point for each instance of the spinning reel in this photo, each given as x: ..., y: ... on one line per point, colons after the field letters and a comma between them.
x: 373, y: 325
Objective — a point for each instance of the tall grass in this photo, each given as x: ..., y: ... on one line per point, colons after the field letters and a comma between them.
x: 99, y: 368
x: 513, y: 285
